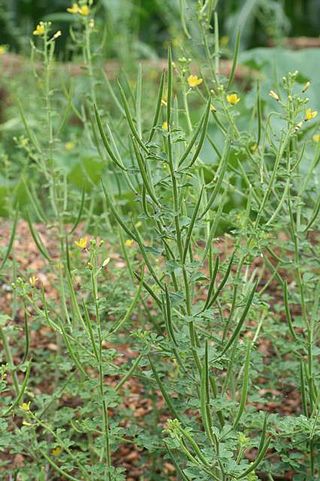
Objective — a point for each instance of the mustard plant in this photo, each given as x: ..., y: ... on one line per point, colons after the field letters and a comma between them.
x: 211, y: 197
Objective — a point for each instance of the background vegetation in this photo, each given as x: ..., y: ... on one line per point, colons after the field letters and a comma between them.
x: 144, y: 26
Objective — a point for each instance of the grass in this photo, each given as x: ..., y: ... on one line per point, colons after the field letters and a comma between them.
x: 174, y: 220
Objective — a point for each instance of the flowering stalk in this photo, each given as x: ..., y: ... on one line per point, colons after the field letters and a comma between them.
x: 176, y: 241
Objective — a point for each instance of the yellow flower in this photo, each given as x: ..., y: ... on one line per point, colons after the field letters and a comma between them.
x: 274, y: 95
x: 165, y: 125
x: 129, y: 242
x: 194, y: 81
x: 310, y: 114
x: 25, y: 406
x: 40, y: 30
x: 316, y: 138
x: 212, y: 108
x: 33, y: 281
x: 82, y: 243
x: 3, y: 49
x: 69, y: 146
x: 233, y: 99
x: 84, y: 10
x: 74, y: 9
x: 56, y: 451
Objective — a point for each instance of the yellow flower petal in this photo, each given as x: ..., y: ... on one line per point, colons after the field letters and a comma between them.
x: 165, y: 125
x: 316, y: 138
x: 82, y: 243
x: 310, y: 114
x: 84, y: 10
x: 74, y: 9
x: 194, y: 81
x: 56, y: 451
x: 40, y: 30
x: 233, y: 99
x: 129, y: 242
x: 3, y: 49
x: 25, y: 406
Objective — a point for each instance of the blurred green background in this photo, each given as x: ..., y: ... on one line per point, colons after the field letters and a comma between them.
x: 145, y: 26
